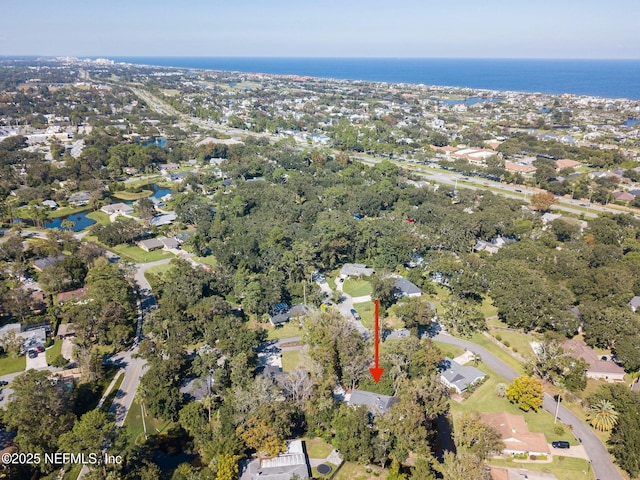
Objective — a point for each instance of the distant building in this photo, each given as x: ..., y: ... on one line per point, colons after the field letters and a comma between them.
x: 517, y: 168
x: 164, y: 219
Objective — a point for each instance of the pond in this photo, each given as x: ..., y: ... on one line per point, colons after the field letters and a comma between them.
x: 631, y: 122
x: 158, y: 192
x: 80, y: 221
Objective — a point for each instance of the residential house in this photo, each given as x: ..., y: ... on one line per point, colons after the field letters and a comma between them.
x: 169, y: 242
x: 623, y: 196
x: 459, y: 377
x: 43, y: 263
x: 51, y: 204
x: 515, y: 434
x: 291, y: 464
x: 164, y: 219
x: 356, y: 270
x: 518, y: 168
x: 284, y: 315
x: 375, y: 402
x: 150, y: 244
x: 64, y: 297
x: 634, y: 303
x: 117, y: 208
x: 79, y: 199
x: 566, y: 163
x: 406, y: 288
x: 600, y: 367
x: 66, y: 330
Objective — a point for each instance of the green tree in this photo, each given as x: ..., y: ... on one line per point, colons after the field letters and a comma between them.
x: 526, y: 392
x: 462, y: 466
x: 40, y: 411
x: 462, y: 316
x: 477, y: 437
x: 416, y: 313
x: 603, y: 415
x: 94, y: 432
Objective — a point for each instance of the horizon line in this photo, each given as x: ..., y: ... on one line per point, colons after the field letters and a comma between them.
x: 315, y: 57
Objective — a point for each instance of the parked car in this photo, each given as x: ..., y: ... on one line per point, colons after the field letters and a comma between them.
x: 355, y: 314
x: 3, y: 383
x: 40, y: 348
x: 33, y: 354
x: 560, y: 444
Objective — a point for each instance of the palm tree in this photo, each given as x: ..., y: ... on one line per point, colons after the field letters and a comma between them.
x: 603, y: 416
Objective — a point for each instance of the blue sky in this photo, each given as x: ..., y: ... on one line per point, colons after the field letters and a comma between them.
x: 327, y: 28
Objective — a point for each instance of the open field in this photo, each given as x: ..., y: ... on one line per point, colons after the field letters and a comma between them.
x: 289, y: 329
x: 100, y: 217
x: 366, y: 312
x: 53, y: 351
x: 131, y: 196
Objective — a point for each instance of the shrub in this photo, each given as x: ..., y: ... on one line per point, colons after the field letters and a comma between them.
x: 48, y: 342
x: 558, y: 430
x: 533, y: 457
x: 506, y: 343
x: 59, y: 361
x: 499, y: 337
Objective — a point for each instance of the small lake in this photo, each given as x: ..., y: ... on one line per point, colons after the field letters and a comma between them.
x: 631, y: 122
x: 80, y: 221
x: 158, y: 192
x: 471, y: 101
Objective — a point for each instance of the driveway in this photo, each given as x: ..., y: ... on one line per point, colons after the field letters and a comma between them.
x: 576, y: 451
x: 37, y: 363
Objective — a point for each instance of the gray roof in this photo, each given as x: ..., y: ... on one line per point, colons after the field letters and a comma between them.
x: 286, y: 465
x: 356, y: 269
x: 164, y: 219
x: 151, y: 243
x: 407, y: 288
x: 42, y: 263
x: 635, y: 302
x: 376, y: 402
x: 459, y: 376
x: 295, y: 311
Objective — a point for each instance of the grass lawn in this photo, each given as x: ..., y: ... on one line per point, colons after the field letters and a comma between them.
x: 210, y: 260
x: 353, y: 471
x: 450, y: 351
x: 366, y: 312
x: 487, y: 309
x: 131, y: 196
x: 133, y: 422
x: 137, y: 255
x: 517, y: 341
x: 479, y: 339
x: 564, y: 468
x: 357, y: 288
x: 12, y: 364
x: 317, y: 448
x: 64, y: 211
x: 112, y: 394
x: 100, y: 217
x: 53, y: 351
x: 289, y: 329
x: 159, y: 270
x: 290, y: 360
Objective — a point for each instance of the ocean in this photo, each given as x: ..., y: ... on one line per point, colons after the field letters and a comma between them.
x: 600, y: 78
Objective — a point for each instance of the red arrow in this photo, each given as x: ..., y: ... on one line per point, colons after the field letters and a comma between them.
x: 376, y: 371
